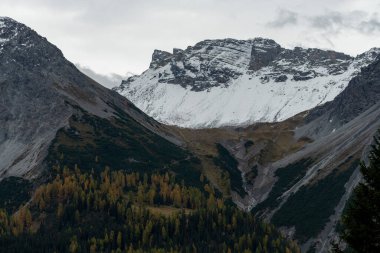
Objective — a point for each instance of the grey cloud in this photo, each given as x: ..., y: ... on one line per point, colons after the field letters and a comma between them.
x: 327, y: 21
x: 337, y: 22
x: 284, y: 18
x: 109, y: 81
x: 370, y: 26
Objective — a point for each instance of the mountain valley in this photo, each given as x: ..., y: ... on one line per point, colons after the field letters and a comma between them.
x: 245, y: 130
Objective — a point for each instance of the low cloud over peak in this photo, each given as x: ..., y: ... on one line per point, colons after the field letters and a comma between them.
x: 284, y: 18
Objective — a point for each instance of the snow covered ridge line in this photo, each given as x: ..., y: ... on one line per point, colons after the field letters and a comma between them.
x: 2, y: 21
x: 9, y: 31
x: 238, y: 82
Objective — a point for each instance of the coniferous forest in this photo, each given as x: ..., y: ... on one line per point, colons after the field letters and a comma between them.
x: 115, y: 211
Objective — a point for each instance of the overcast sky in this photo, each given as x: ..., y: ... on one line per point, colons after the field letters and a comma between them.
x: 119, y: 36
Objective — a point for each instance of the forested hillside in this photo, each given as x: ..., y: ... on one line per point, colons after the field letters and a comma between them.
x: 115, y: 211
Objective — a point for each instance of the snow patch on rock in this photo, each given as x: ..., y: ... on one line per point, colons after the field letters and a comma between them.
x: 232, y: 83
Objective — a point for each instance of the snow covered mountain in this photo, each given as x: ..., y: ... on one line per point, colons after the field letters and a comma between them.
x: 297, y: 173
x: 239, y: 82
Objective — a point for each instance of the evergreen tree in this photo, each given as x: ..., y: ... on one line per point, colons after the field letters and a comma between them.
x: 361, y: 222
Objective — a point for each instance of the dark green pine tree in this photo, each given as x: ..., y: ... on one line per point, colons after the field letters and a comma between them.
x: 361, y: 222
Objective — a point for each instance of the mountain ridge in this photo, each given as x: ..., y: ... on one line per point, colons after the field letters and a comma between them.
x: 55, y: 116
x: 41, y: 92
x: 235, y: 82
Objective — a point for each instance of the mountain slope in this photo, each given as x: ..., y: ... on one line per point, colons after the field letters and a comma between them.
x: 362, y: 93
x: 79, y: 162
x: 239, y: 82
x: 299, y: 173
x: 49, y: 108
x: 53, y: 116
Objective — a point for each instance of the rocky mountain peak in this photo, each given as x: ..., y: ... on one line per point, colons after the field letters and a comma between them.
x: 260, y: 42
x: 12, y: 31
x: 40, y: 92
x: 7, y: 23
x: 368, y: 56
x: 160, y: 59
x: 9, y: 30
x: 257, y: 79
x: 20, y: 46
x: 264, y: 51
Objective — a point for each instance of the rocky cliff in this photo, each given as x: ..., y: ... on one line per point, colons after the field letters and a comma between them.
x: 239, y: 82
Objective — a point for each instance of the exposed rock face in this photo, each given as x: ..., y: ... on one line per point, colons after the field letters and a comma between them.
x: 362, y: 92
x: 334, y: 62
x: 239, y: 82
x: 160, y: 59
x: 202, y: 67
x: 39, y: 91
x: 28, y: 101
x: 263, y: 53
